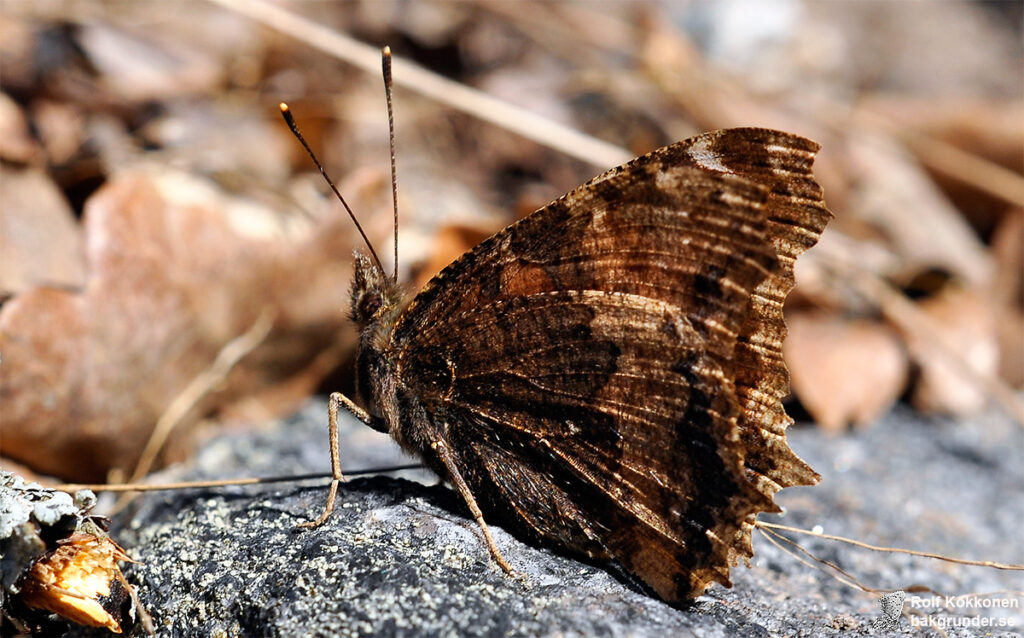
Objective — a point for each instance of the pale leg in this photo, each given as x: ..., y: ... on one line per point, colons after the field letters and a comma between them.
x: 332, y: 423
x: 474, y: 509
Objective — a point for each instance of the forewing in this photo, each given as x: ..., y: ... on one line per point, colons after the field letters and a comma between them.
x: 590, y: 394
x: 795, y: 215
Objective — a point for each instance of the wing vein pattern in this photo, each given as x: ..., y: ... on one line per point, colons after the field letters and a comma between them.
x: 621, y: 395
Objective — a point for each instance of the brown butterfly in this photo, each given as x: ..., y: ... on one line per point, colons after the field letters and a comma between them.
x: 605, y: 376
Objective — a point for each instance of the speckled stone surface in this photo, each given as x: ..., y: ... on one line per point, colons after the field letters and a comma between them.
x: 401, y: 557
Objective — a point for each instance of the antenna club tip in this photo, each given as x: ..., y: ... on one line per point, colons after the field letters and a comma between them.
x: 284, y: 107
x: 386, y: 50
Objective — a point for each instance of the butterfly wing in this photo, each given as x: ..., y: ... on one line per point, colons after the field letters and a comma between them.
x: 618, y: 394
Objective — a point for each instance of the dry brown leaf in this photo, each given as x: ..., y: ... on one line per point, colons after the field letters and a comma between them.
x: 967, y: 318
x: 16, y: 143
x: 171, y: 281
x: 1008, y: 249
x: 844, y: 370
x: 1011, y: 346
x: 61, y: 128
x: 18, y: 49
x: 77, y: 581
x: 40, y: 241
x: 451, y: 242
x: 7, y: 465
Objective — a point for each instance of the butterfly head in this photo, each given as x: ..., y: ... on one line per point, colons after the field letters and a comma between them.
x: 374, y: 294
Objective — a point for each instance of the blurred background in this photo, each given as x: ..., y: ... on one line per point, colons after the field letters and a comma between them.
x: 171, y: 264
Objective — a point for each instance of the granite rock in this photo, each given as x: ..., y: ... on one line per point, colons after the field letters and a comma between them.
x: 400, y: 556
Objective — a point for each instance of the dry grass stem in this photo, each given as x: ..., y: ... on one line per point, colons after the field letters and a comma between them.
x: 200, y: 386
x: 846, y: 578
x: 953, y: 162
x: 454, y: 94
x: 185, y: 485
x: 891, y: 550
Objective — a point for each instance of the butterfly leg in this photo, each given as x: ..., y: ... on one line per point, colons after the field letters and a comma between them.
x: 374, y: 422
x: 339, y: 399
x: 336, y: 399
x: 474, y: 509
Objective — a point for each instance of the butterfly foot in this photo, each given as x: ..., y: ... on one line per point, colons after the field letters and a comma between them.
x: 510, y: 572
x: 502, y: 563
x: 328, y: 509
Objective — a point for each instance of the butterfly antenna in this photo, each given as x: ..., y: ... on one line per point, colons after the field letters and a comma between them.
x: 287, y: 114
x: 386, y: 64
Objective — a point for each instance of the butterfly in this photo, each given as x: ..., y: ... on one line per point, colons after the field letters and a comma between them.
x: 605, y: 375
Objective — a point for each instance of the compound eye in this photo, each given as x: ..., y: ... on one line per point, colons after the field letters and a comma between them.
x: 369, y: 305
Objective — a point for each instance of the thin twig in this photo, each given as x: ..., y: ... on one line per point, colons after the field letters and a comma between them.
x: 199, y: 387
x: 849, y: 580
x: 157, y: 487
x: 454, y: 94
x: 891, y: 550
x: 822, y: 561
x: 145, y: 619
